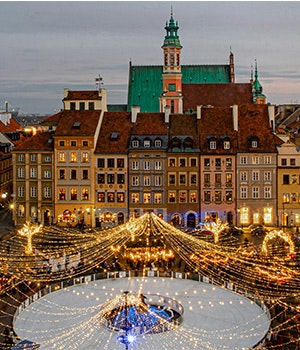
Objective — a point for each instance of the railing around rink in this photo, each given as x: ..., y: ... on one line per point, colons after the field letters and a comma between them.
x: 143, y: 273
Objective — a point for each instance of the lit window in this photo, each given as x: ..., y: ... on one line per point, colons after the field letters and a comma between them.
x: 74, y: 194
x: 147, y: 197
x: 157, y: 198
x: 85, y: 194
x: 85, y: 157
x: 226, y: 144
x: 73, y: 157
x: 120, y: 197
x: 267, y: 160
x: 172, y: 162
x: 182, y: 197
x: 193, y: 197
x: 110, y: 197
x: 135, y: 197
x: 255, y: 160
x: 62, y: 194
x: 62, y: 157
x: 172, y: 197
x: 101, y: 197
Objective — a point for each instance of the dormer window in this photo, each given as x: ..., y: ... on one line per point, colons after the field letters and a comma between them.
x: 226, y: 144
x: 147, y: 143
x: 135, y: 143
x: 157, y: 143
x: 212, y: 144
x: 254, y: 144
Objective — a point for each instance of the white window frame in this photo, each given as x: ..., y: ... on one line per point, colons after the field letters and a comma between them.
x: 212, y: 144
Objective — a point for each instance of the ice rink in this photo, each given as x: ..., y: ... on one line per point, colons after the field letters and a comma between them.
x: 214, y: 317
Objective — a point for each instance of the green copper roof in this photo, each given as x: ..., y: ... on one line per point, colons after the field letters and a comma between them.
x: 172, y: 38
x: 145, y: 82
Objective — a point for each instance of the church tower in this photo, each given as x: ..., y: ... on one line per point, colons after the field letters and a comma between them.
x: 171, y: 96
x: 257, y: 90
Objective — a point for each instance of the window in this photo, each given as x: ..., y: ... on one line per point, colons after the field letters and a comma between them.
x: 33, y: 157
x: 172, y: 179
x: 47, y: 159
x: 120, y: 179
x: 135, y: 143
x: 73, y: 194
x: 62, y: 194
x: 61, y: 157
x: 243, y: 175
x: 85, y: 157
x: 110, y: 178
x: 101, y: 197
x: 193, y: 197
x: 255, y: 160
x: 158, y: 165
x: 228, y: 196
x: 207, y: 196
x: 47, y: 174
x: 21, y: 158
x: 33, y: 192
x: 47, y: 192
x: 33, y: 173
x: 85, y: 143
x: 73, y: 174
x: 73, y: 157
x: 73, y: 143
x: 135, y: 181
x: 283, y: 162
x: 110, y: 163
x: 21, y: 191
x: 21, y: 173
x: 255, y: 192
x: 182, y: 179
x: 255, y: 176
x: 146, y: 143
x: 182, y: 162
x: 172, y: 87
x: 218, y: 180
x: 135, y: 165
x: 254, y: 144
x: 157, y: 198
x: 120, y: 197
x: 267, y: 192
x: 226, y: 144
x: 218, y: 162
x: 228, y: 163
x: 228, y: 177
x: 157, y: 143
x: 61, y: 143
x: 110, y: 197
x: 286, y: 198
x: 182, y: 197
x: 101, y: 178
x: 292, y: 162
x: 147, y: 165
x: 158, y: 180
x: 218, y: 196
x: 135, y: 197
x: 206, y: 179
x: 244, y: 160
x: 146, y: 197
x: 193, y: 162
x: 267, y: 176
x: 213, y: 144
x: 85, y: 194
x: 172, y: 197
x: 100, y: 162
x: 81, y: 106
x: 85, y: 174
x: 91, y: 106
x: 267, y: 160
x: 147, y: 181
x: 72, y: 106
x: 193, y: 179
x: 120, y: 163
x: 172, y: 162
x: 244, y: 192
x: 286, y: 179
x: 207, y: 162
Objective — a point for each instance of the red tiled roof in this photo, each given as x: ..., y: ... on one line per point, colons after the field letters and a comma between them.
x: 38, y: 142
x: 118, y: 122
x: 184, y: 125
x: 216, y: 121
x: 216, y: 95
x: 53, y: 119
x: 150, y: 124
x: 13, y: 125
x: 86, y: 120
x: 82, y: 95
x: 254, y: 121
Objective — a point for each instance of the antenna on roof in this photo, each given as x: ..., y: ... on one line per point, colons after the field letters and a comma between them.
x: 98, y: 81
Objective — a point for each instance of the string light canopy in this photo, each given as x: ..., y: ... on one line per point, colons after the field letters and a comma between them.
x: 55, y: 254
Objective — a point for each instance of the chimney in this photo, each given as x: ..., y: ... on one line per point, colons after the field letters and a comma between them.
x: 199, y: 112
x: 235, y: 115
x: 6, y: 106
x: 271, y: 112
x: 66, y: 92
x: 134, y: 112
x: 167, y: 111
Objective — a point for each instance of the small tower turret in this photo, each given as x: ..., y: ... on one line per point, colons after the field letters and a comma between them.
x: 258, y: 96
